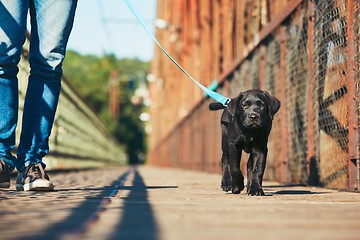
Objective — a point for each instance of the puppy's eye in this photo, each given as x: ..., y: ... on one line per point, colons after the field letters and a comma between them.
x: 260, y: 104
x: 246, y: 105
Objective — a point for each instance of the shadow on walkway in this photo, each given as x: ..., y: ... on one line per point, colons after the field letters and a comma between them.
x: 272, y: 190
x: 137, y: 220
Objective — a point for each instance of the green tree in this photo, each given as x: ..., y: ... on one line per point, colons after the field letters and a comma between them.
x: 90, y: 76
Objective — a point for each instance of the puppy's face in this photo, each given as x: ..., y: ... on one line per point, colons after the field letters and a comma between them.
x: 254, y: 108
x: 253, y: 111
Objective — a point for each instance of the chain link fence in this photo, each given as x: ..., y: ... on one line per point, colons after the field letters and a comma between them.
x: 308, y: 56
x: 330, y: 77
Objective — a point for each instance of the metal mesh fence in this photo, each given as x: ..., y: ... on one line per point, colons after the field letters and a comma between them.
x: 296, y: 95
x: 254, y: 70
x: 357, y: 77
x: 310, y: 60
x: 330, y: 59
x: 354, y: 178
x: 273, y: 78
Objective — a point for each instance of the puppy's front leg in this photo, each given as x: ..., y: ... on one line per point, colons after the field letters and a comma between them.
x: 226, y: 175
x: 225, y: 165
x: 256, y: 173
x: 250, y: 165
x: 237, y: 179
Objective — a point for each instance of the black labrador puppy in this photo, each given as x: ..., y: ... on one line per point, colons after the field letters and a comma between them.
x: 246, y: 124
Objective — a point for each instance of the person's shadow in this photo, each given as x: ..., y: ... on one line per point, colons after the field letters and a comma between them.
x: 137, y: 220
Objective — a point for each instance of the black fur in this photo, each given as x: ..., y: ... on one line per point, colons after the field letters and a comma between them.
x: 246, y: 124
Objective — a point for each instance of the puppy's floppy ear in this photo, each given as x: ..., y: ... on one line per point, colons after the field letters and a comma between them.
x: 273, y: 104
x: 233, y: 104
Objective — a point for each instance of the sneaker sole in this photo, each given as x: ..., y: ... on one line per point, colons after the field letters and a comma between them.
x: 37, y: 185
x: 5, y: 185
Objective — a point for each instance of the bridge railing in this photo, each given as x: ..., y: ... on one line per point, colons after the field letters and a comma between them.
x: 306, y: 53
x: 79, y: 139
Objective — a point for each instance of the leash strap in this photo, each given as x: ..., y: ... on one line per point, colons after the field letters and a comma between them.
x: 218, y: 97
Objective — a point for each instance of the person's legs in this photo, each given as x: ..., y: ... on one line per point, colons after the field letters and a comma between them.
x: 51, y: 24
x: 12, y: 36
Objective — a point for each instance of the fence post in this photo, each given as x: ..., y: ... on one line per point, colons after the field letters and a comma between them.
x: 262, y: 67
x: 284, y: 133
x: 353, y: 96
x: 311, y: 160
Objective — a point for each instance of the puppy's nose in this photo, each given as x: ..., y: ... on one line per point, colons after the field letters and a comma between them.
x: 253, y: 116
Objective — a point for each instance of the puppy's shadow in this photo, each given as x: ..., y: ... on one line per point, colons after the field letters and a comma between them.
x: 295, y: 192
x: 279, y: 190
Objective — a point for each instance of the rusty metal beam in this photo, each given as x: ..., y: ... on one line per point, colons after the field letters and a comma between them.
x: 264, y: 33
x: 353, y: 98
x: 284, y: 133
x: 311, y: 158
x: 262, y: 67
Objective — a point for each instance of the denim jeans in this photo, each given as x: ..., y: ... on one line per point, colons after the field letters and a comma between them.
x: 51, y: 24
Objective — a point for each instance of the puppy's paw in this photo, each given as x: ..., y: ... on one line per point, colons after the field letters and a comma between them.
x: 226, y: 184
x: 238, y: 186
x: 254, y: 189
x: 237, y: 190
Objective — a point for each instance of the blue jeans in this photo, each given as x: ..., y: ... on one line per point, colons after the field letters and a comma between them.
x: 51, y: 24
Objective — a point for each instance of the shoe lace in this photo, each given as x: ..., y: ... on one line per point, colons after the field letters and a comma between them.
x: 3, y: 165
x: 36, y: 171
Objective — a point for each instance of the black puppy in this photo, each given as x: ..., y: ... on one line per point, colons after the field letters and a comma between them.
x: 246, y: 124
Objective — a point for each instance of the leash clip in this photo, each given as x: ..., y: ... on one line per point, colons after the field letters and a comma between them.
x: 227, y: 102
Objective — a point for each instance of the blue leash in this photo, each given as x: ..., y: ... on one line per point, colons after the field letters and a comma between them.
x: 218, y: 97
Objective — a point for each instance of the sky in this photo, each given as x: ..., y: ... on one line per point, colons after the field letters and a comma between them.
x: 108, y: 27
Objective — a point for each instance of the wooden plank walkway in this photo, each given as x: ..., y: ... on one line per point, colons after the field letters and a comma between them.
x: 159, y: 203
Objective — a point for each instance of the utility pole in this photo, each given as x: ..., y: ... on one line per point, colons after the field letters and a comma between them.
x: 114, y: 94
